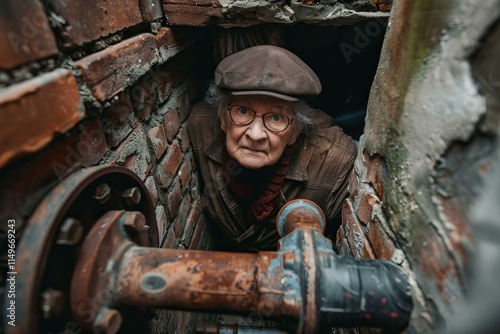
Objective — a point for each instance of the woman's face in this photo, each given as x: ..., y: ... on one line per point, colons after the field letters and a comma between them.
x: 253, y: 145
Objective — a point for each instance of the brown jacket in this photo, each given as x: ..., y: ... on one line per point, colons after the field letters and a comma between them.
x: 319, y: 171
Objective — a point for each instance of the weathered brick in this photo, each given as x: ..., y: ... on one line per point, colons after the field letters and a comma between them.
x: 169, y: 240
x: 118, y: 120
x: 131, y: 153
x: 143, y: 96
x: 182, y: 215
x: 382, y: 245
x: 90, y: 20
x: 185, y: 174
x: 170, y: 44
x: 150, y: 184
x: 151, y: 10
x: 169, y: 164
x: 26, y: 34
x: 187, y: 14
x: 163, y: 82
x: 184, y: 138
x: 355, y: 236
x: 35, y: 111
x: 158, y: 140
x: 161, y: 221
x: 365, y: 207
x: 83, y: 148
x: 25, y: 181
x: 353, y: 186
x: 172, y: 124
x: 115, y: 68
x: 174, y: 199
x: 373, y: 176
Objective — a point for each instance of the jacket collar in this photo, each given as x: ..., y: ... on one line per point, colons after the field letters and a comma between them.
x: 296, y: 170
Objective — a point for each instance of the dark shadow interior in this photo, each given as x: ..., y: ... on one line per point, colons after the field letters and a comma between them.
x: 345, y: 58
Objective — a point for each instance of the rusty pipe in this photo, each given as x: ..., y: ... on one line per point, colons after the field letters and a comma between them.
x: 304, y: 283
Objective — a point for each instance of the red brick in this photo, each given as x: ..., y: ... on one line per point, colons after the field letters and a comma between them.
x: 118, y: 120
x: 90, y: 20
x: 355, y: 236
x: 150, y: 184
x: 353, y: 186
x: 143, y: 96
x: 161, y: 222
x: 185, y: 174
x: 26, y: 181
x: 36, y: 112
x: 151, y: 10
x: 189, y: 15
x: 365, y: 207
x: 158, y: 140
x: 382, y: 245
x: 184, y: 138
x: 131, y: 154
x: 373, y: 176
x: 26, y: 34
x: 169, y: 240
x: 174, y: 199
x: 172, y: 124
x: 169, y: 43
x: 163, y: 82
x: 182, y: 215
x: 110, y: 71
x: 85, y: 148
x: 169, y: 165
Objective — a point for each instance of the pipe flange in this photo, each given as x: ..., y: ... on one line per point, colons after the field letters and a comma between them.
x: 50, y: 244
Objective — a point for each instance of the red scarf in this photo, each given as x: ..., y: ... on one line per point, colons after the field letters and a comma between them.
x: 256, y: 190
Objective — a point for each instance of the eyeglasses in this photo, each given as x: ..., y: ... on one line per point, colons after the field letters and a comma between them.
x: 273, y: 121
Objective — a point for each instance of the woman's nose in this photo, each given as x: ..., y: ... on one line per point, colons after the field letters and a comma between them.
x: 256, y: 130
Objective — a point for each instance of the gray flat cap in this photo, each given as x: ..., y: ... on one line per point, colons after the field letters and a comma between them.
x: 267, y: 70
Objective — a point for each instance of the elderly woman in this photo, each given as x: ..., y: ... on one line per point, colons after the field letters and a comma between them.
x: 258, y: 145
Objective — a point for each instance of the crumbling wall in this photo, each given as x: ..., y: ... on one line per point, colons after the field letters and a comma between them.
x: 430, y: 137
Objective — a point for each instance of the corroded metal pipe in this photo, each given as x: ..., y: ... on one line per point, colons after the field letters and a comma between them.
x: 305, y: 284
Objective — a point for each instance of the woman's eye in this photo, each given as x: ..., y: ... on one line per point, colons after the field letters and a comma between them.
x: 277, y: 117
x: 243, y: 111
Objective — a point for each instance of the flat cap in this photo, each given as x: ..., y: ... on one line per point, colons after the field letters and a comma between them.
x: 267, y: 70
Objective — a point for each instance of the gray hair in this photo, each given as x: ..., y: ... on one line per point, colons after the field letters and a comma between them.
x: 305, y: 116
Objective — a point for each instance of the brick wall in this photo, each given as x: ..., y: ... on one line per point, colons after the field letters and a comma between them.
x: 83, y: 84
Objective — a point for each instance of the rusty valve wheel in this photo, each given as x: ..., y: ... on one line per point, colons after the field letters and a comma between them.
x: 51, y: 242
